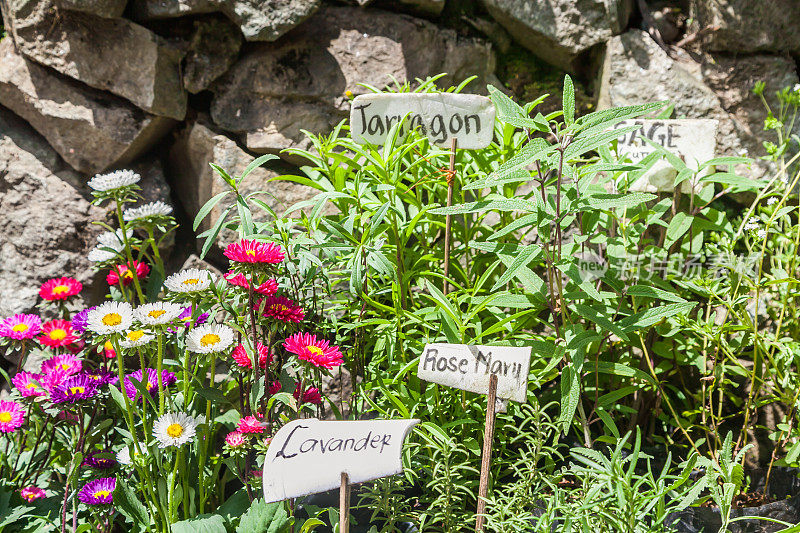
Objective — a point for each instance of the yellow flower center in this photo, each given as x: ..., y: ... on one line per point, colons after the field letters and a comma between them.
x: 251, y: 253
x: 108, y: 346
x: 19, y: 328
x: 155, y: 313
x: 5, y: 416
x: 135, y: 335
x: 209, y: 338
x: 191, y: 281
x: 77, y: 390
x: 112, y: 319
x: 281, y: 308
x: 30, y: 385
x: 149, y: 385
x: 102, y: 494
x: 175, y: 430
x: 60, y: 289
x: 65, y: 366
x: 58, y: 334
x: 315, y: 350
x: 127, y: 274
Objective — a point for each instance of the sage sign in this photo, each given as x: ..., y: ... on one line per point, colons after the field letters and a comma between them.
x: 692, y: 139
x: 308, y: 456
x: 466, y: 367
x: 441, y: 117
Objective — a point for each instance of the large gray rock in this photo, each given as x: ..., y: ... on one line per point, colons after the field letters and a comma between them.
x: 101, y: 8
x: 559, y: 31
x: 748, y: 26
x: 196, y: 182
x: 92, y: 130
x: 302, y: 81
x: 46, y: 222
x: 636, y: 70
x: 212, y: 49
x: 259, y: 20
x: 110, y: 54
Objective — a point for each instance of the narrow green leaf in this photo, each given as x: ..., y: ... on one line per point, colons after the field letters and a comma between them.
x: 569, y: 101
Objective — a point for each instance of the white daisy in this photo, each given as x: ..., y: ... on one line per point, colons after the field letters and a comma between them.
x: 98, y: 255
x: 174, y: 429
x: 190, y: 280
x: 135, y: 338
x: 114, y: 180
x: 153, y: 209
x: 110, y: 317
x: 157, y: 313
x: 124, y: 456
x: 209, y: 338
x: 113, y: 239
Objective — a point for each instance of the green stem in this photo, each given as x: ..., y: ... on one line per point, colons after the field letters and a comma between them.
x: 128, y: 253
x: 159, y: 363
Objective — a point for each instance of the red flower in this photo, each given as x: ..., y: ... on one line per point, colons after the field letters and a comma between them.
x: 275, y: 388
x: 268, y: 288
x: 57, y: 333
x: 311, y: 395
x: 60, y: 289
x: 124, y: 273
x: 283, y: 309
x: 317, y: 352
x: 239, y: 355
x: 250, y: 424
x: 251, y: 251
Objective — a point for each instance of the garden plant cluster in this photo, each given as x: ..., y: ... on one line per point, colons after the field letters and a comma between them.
x: 153, y: 410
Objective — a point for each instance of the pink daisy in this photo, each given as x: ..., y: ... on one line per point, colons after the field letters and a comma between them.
x: 235, y: 439
x: 281, y: 308
x: 125, y: 274
x: 250, y: 424
x: 317, y: 352
x: 239, y: 355
x: 31, y: 493
x: 51, y: 380
x: 60, y: 289
x: 251, y: 251
x: 311, y: 395
x: 28, y: 384
x: 275, y: 388
x: 268, y: 288
x: 20, y: 327
x: 12, y: 415
x: 57, y: 333
x: 67, y: 363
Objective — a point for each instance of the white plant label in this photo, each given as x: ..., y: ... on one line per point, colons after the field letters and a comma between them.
x: 693, y: 139
x: 469, y: 118
x: 308, y: 456
x: 466, y: 367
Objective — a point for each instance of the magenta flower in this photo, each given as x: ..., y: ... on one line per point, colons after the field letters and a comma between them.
x: 235, y: 439
x: 20, y: 327
x: 98, y: 491
x: 317, y: 352
x: 79, y: 320
x: 67, y: 363
x: 31, y: 493
x: 12, y: 416
x: 250, y: 424
x: 150, y: 383
x: 310, y: 395
x: 100, y: 463
x: 254, y: 252
x: 74, y: 389
x: 28, y: 384
x: 282, y: 308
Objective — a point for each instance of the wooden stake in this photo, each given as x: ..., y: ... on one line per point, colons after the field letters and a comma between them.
x: 486, y: 457
x: 344, y: 504
x: 448, y: 218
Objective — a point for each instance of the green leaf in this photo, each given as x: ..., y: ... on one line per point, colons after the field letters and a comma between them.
x: 263, y: 517
x: 207, y: 207
x: 654, y: 315
x: 618, y: 369
x: 526, y: 255
x: 254, y: 164
x: 515, y: 167
x: 679, y: 225
x: 593, y: 315
x: 211, y: 235
x: 653, y: 292
x: 614, y: 201
x: 506, y: 107
x: 569, y: 101
x: 205, y: 523
x: 128, y: 504
x: 570, y: 396
x: 511, y: 204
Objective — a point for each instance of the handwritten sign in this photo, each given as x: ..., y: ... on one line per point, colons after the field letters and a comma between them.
x: 694, y: 140
x: 441, y: 117
x: 468, y: 368
x: 308, y: 456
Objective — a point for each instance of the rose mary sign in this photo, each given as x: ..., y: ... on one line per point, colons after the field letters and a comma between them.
x: 442, y: 117
x: 308, y: 456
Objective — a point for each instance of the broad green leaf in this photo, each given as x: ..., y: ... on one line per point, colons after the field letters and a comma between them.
x: 526, y: 255
x: 654, y: 315
x: 679, y: 225
x: 205, y: 523
x: 264, y: 517
x: 614, y: 201
x: 653, y: 292
x: 128, y: 504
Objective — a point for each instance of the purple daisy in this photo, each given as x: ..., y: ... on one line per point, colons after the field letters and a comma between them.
x: 186, y: 318
x: 151, y: 383
x: 100, y: 463
x: 98, y: 491
x: 102, y: 377
x: 74, y: 389
x: 80, y: 319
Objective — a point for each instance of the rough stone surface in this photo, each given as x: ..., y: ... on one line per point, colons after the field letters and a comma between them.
x: 101, y: 8
x: 747, y: 26
x: 301, y: 82
x: 110, y: 54
x: 92, y: 130
x: 559, y: 31
x: 259, y: 20
x: 195, y: 182
x: 636, y: 70
x: 46, y: 222
x: 213, y: 47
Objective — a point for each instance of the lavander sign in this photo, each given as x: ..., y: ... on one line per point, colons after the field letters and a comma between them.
x: 442, y: 117
x: 466, y: 367
x: 308, y: 456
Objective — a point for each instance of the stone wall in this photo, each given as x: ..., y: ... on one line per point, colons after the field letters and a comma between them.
x: 167, y: 86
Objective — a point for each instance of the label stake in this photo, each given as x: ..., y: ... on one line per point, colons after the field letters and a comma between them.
x: 451, y: 176
x: 344, y: 504
x: 486, y: 456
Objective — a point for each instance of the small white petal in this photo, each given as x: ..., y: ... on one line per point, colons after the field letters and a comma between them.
x: 190, y: 280
x: 114, y: 180
x: 209, y: 338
